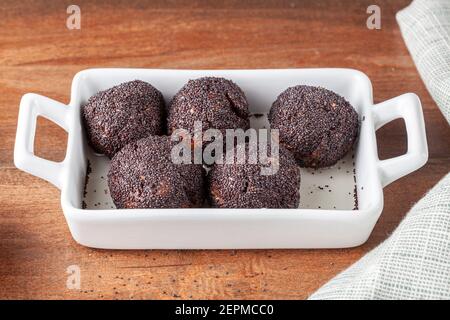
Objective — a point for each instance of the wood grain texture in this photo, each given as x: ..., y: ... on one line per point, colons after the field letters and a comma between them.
x: 39, y: 54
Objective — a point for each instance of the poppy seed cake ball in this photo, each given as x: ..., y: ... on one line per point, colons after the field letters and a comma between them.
x: 123, y: 114
x: 142, y: 175
x: 317, y: 125
x: 217, y: 102
x: 244, y: 185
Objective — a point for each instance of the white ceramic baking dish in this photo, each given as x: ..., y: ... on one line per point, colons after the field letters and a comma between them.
x: 328, y: 216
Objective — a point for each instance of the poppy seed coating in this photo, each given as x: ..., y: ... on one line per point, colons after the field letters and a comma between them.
x: 243, y: 185
x: 317, y: 125
x: 123, y: 114
x: 217, y: 102
x: 142, y: 175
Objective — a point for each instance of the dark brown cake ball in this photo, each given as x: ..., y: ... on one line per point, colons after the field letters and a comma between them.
x: 243, y: 185
x: 142, y: 175
x: 217, y: 102
x: 317, y: 125
x: 123, y: 114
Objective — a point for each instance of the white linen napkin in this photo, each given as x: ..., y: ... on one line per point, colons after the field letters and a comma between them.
x: 425, y: 26
x: 414, y: 262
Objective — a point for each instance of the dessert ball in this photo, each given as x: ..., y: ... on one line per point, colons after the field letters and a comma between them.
x: 218, y: 103
x: 244, y: 185
x: 142, y: 175
x: 317, y: 125
x: 123, y: 114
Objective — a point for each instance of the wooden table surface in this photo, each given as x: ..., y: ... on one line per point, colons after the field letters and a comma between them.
x: 39, y: 54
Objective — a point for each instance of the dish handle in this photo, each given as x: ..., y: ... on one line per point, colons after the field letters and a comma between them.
x: 31, y: 106
x: 409, y: 108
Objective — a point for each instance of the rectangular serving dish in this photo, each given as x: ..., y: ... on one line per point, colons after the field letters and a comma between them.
x: 328, y: 217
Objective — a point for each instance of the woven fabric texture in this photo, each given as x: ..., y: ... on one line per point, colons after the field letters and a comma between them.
x: 413, y: 263
x: 425, y: 26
